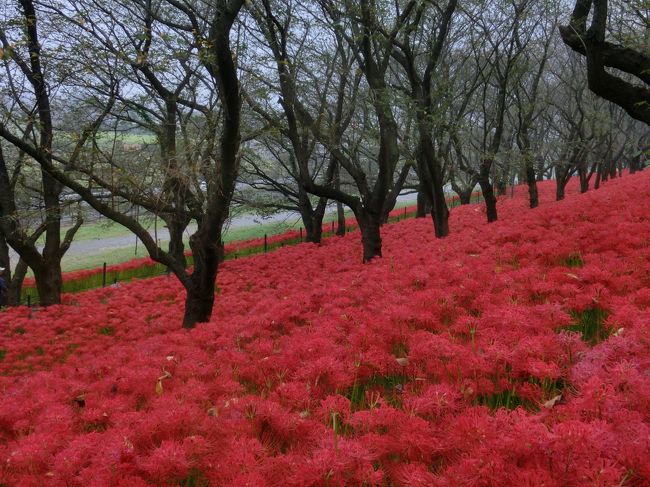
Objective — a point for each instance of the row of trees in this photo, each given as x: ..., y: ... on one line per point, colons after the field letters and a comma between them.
x: 289, y: 104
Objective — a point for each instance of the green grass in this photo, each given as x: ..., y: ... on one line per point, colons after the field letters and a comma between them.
x: 107, y: 331
x: 105, y: 228
x: 574, y: 260
x: 389, y: 386
x: 128, y: 137
x: 509, y: 399
x: 505, y: 399
x: 590, y: 323
x: 108, y: 228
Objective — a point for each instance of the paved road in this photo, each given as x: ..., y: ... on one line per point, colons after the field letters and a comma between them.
x: 101, y: 245
x: 97, y: 246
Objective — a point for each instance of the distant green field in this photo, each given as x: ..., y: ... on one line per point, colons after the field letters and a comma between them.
x: 127, y: 137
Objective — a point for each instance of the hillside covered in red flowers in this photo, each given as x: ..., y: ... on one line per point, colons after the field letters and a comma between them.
x: 516, y: 353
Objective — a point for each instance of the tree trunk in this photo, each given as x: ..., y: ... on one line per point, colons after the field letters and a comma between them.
x: 612, y: 170
x: 15, y: 284
x: 465, y: 196
x: 488, y: 193
x: 176, y: 245
x: 561, y: 180
x: 432, y: 182
x: 439, y: 211
x: 6, y: 263
x: 440, y: 216
x: 198, y: 306
x: 311, y: 232
x: 49, y: 282
x: 423, y: 205
x: 604, y: 170
x: 200, y: 286
x: 533, y: 194
x: 502, y: 187
x: 340, y: 217
x: 584, y: 179
x: 313, y: 227
x: 312, y: 219
x: 599, y: 175
x: 369, y: 225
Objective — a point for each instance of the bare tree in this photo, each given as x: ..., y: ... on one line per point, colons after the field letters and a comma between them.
x: 30, y: 113
x: 527, y: 93
x: 419, y: 46
x: 207, y: 29
x: 602, y: 53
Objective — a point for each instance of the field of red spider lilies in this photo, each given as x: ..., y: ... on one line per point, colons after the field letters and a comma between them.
x: 516, y: 353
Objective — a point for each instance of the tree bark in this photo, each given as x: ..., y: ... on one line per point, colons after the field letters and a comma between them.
x: 49, y: 283
x: 488, y: 192
x: 423, y: 206
x: 15, y: 284
x: 562, y: 178
x: 313, y: 223
x: 502, y: 187
x: 432, y: 182
x: 604, y: 171
x: 599, y: 53
x: 439, y: 211
x: 533, y: 194
x: 465, y: 196
x: 599, y: 172
x: 584, y: 180
x: 369, y: 225
x: 200, y: 285
x: 206, y: 241
x: 340, y: 217
x: 176, y: 245
x: 312, y: 218
x: 199, y: 299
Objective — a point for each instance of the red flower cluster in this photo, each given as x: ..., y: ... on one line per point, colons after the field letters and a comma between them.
x: 516, y: 353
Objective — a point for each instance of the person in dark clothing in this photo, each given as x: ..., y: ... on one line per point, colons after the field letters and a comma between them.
x: 3, y: 288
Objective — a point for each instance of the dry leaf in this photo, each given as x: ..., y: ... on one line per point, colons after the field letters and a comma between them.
x: 128, y: 444
x: 166, y: 375
x: 553, y: 401
x: 403, y: 361
x: 159, y: 387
